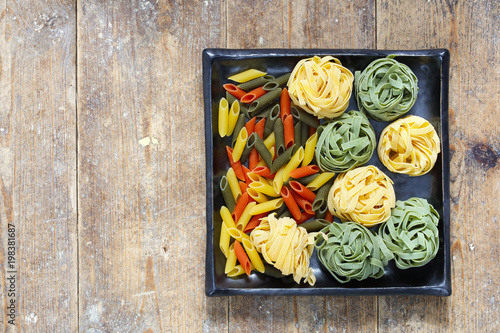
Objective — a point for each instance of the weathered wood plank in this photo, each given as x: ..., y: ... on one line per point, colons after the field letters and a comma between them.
x: 469, y: 30
x: 301, y: 24
x: 38, y: 166
x: 142, y: 206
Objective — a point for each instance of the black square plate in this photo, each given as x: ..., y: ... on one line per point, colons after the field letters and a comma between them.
x: 432, y: 70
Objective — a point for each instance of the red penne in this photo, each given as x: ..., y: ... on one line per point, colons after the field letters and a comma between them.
x: 240, y: 206
x: 246, y: 171
x: 303, y: 203
x: 305, y: 216
x: 259, y: 128
x: 238, y: 170
x: 242, y: 257
x: 250, y: 125
x: 263, y: 171
x: 303, y: 191
x: 284, y: 103
x: 290, y: 203
x: 288, y: 130
x: 254, y: 222
x: 328, y: 216
x: 304, y: 171
x: 243, y: 187
x: 234, y: 90
x: 251, y: 96
x: 253, y: 159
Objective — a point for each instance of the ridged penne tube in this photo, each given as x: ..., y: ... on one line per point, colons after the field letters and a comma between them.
x: 240, y: 123
x: 226, y: 193
x: 253, y: 255
x: 264, y: 189
x: 231, y: 260
x: 258, y: 178
x: 278, y: 180
x: 283, y: 159
x: 234, y: 113
x: 224, y: 240
x: 223, y: 117
x: 309, y: 149
x: 247, y: 75
x: 273, y: 115
x: 270, y: 140
x: 233, y: 184
x: 256, y: 195
x: 226, y: 217
x: 293, y: 164
x: 264, y: 100
x: 263, y: 151
x: 266, y: 206
x: 245, y: 216
x: 241, y: 141
x: 258, y: 82
x: 236, y: 271
x: 320, y: 180
x: 237, y: 234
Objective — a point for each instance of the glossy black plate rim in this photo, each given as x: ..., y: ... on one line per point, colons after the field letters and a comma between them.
x: 208, y: 57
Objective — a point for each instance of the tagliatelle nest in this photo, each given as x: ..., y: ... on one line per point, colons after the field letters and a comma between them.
x: 409, y: 145
x: 364, y: 195
x: 321, y: 86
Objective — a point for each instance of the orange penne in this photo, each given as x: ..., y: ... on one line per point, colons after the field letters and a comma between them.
x: 234, y: 90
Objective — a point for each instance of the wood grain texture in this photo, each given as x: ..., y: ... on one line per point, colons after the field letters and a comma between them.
x: 142, y: 207
x: 469, y: 29
x: 38, y: 163
x: 302, y: 24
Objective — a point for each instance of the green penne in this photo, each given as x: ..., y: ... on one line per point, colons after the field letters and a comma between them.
x: 307, y: 179
x: 248, y: 148
x: 258, y: 82
x: 286, y: 213
x: 264, y: 100
x: 280, y: 81
x: 321, y: 195
x: 240, y: 123
x: 305, y: 132
x: 297, y: 134
x: 304, y: 117
x: 263, y: 113
x: 282, y: 159
x: 226, y: 193
x: 271, y: 119
x: 315, y: 225
x: 321, y: 212
x: 279, y: 137
x: 263, y: 151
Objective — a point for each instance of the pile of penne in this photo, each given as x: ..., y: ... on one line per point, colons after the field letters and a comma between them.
x: 271, y: 153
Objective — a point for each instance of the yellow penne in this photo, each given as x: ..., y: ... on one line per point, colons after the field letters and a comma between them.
x: 256, y: 195
x: 233, y: 184
x: 320, y: 180
x: 278, y: 180
x: 261, y: 163
x: 240, y: 144
x: 266, y: 206
x: 231, y: 259
x: 226, y: 217
x: 309, y: 149
x: 234, y: 112
x: 263, y: 188
x: 223, y: 117
x: 238, y: 270
x: 272, y: 150
x: 237, y: 234
x: 247, y: 75
x: 293, y: 163
x: 270, y: 141
x: 258, y: 178
x: 224, y: 239
x: 253, y: 255
x: 245, y: 216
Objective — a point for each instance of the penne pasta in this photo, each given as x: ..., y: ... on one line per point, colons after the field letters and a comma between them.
x: 258, y: 82
x: 256, y: 195
x: 288, y: 131
x: 234, y: 90
x: 309, y: 149
x: 245, y: 216
x: 231, y: 260
x: 264, y: 188
x: 297, y: 134
x: 303, y: 191
x: 226, y: 193
x: 242, y: 257
x: 237, y: 234
x: 304, y: 117
x: 251, y: 96
x: 290, y: 203
x: 266, y: 207
x: 322, y: 195
x: 278, y: 180
x: 320, y: 180
x: 293, y: 164
x: 224, y: 240
x: 246, y: 76
x: 223, y: 117
x: 227, y: 218
x: 285, y: 103
x: 264, y: 100
x: 264, y: 152
x: 279, y: 136
x: 270, y: 141
x: 233, y: 184
x: 240, y: 123
x: 236, y: 271
x: 234, y: 113
x: 271, y: 119
x: 240, y: 144
x: 237, y: 167
x: 283, y: 159
x: 248, y: 148
x: 253, y: 255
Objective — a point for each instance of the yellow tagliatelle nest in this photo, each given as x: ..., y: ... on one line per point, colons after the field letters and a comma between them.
x: 364, y: 195
x: 286, y: 246
x: 320, y: 86
x: 409, y: 145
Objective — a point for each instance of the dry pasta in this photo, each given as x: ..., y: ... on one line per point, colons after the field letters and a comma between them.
x: 247, y: 75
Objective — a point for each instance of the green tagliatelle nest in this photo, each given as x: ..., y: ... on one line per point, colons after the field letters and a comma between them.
x: 345, y: 143
x: 351, y: 251
x: 411, y: 233
x: 386, y: 89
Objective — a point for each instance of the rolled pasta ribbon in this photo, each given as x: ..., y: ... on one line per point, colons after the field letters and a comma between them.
x: 321, y: 86
x: 364, y: 195
x: 345, y: 143
x: 409, y: 145
x: 285, y: 246
x: 386, y: 89
x: 351, y: 251
x: 411, y: 233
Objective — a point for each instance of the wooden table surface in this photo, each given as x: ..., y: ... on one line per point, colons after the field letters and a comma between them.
x: 109, y: 235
